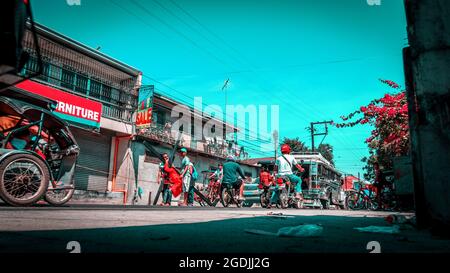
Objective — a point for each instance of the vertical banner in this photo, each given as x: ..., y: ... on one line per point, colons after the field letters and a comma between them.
x: 145, y: 106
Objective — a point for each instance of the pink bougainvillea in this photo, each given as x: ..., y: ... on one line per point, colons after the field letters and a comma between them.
x: 389, y: 116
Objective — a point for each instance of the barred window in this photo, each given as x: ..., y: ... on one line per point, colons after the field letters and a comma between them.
x: 67, y: 79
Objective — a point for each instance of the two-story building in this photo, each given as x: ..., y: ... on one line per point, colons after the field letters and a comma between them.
x: 96, y: 94
x: 206, y: 153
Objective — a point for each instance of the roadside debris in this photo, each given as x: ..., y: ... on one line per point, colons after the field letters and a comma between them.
x: 273, y: 213
x: 279, y: 215
x: 301, y: 231
x: 297, y: 231
x: 380, y: 229
x: 400, y: 219
x: 260, y: 232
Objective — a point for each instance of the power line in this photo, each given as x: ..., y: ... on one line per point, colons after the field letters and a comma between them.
x: 195, y: 44
x: 244, y: 141
x: 207, y: 51
x: 140, y: 19
x: 203, y: 104
x: 188, y: 39
x: 179, y: 33
x: 205, y: 27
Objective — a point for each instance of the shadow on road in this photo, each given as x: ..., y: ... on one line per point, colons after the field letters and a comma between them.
x: 227, y: 236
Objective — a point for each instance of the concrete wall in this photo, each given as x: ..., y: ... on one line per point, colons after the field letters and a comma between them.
x: 147, y: 173
x: 427, y: 70
x: 125, y: 176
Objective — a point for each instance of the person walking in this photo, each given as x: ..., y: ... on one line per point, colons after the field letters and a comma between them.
x: 163, y: 177
x: 186, y: 174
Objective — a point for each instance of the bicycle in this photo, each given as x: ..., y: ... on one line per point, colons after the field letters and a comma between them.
x: 364, y: 198
x: 230, y: 194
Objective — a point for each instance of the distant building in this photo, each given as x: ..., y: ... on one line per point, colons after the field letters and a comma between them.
x: 206, y: 154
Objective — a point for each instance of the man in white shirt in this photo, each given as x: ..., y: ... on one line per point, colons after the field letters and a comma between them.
x: 285, y: 163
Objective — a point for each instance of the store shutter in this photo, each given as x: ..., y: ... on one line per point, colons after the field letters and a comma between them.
x: 93, y: 163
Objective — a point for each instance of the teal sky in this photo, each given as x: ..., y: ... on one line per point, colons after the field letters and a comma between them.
x: 316, y: 59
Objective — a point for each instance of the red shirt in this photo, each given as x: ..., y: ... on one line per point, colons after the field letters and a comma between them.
x: 264, y: 178
x: 175, y: 178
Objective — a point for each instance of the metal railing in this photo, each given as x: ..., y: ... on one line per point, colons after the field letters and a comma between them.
x: 116, y: 103
x: 63, y: 55
x: 164, y: 134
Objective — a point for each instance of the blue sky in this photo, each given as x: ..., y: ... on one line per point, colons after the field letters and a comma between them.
x: 316, y: 59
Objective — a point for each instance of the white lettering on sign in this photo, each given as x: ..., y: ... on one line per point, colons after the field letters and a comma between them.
x: 77, y: 111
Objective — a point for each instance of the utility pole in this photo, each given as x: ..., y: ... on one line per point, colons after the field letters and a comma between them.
x: 318, y: 134
x: 275, y: 140
x: 428, y: 93
x: 225, y: 87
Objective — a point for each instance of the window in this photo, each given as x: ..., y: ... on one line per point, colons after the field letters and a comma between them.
x: 67, y: 79
x: 45, y: 72
x: 115, y: 96
x: 95, y: 89
x: 158, y: 118
x: 106, y: 93
x: 81, y: 85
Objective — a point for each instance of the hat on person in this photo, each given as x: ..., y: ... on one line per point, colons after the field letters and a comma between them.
x: 183, y: 150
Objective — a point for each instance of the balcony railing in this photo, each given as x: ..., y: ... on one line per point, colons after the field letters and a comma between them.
x: 117, y: 104
x: 164, y: 134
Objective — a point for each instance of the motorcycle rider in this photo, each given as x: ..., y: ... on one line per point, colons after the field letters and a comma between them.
x: 218, y: 174
x: 265, y: 178
x: 215, y: 180
x: 284, y: 165
x: 230, y: 171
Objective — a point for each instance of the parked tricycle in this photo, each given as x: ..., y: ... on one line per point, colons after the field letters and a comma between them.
x: 38, y: 153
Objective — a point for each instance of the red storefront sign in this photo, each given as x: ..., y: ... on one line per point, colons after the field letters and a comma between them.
x: 144, y: 117
x: 70, y: 107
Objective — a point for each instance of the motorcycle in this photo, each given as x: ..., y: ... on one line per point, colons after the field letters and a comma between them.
x: 230, y: 194
x: 285, y: 194
x: 265, y: 195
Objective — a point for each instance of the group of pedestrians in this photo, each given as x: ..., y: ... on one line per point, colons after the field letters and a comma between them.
x: 177, y: 181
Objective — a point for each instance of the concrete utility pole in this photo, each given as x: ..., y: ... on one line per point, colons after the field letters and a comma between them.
x: 318, y: 134
x: 427, y: 70
x: 275, y: 139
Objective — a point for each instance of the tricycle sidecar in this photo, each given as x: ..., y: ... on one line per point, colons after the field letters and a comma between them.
x: 37, y: 151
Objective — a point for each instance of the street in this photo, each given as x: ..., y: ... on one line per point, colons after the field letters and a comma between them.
x: 209, y: 128
x: 136, y: 229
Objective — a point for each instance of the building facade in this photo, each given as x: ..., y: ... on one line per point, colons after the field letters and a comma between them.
x: 96, y: 94
x: 205, y: 153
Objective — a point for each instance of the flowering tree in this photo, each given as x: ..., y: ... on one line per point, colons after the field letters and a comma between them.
x: 389, y: 117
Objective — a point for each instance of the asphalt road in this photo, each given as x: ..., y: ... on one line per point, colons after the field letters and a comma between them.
x: 201, y: 230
